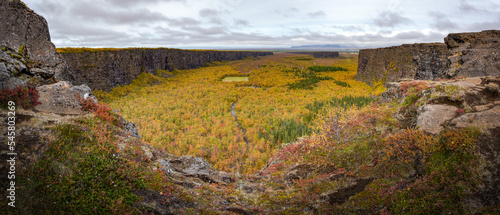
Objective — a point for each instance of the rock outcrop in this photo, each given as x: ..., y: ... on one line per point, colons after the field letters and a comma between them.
x: 462, y: 54
x: 470, y: 102
x: 63, y: 98
x: 456, y: 103
x: 108, y: 68
x: 25, y: 35
x: 473, y: 54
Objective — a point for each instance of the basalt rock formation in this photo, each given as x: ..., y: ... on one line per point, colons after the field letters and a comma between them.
x: 108, y: 68
x: 24, y: 35
x: 462, y: 54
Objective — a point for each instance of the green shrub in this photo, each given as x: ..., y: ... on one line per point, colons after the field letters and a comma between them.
x: 326, y: 68
x: 285, y: 131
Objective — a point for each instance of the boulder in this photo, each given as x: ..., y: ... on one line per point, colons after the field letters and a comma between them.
x: 200, y: 168
x: 129, y: 127
x: 432, y: 117
x: 489, y: 118
x: 62, y: 98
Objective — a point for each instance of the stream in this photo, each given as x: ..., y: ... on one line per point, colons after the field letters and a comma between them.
x: 236, y: 119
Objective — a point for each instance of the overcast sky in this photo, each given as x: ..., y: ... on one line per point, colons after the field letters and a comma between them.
x: 260, y: 23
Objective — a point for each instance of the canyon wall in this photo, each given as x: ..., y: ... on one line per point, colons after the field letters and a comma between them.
x: 462, y: 54
x: 107, y: 68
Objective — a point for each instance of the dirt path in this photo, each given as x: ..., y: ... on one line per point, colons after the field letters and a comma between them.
x: 236, y: 119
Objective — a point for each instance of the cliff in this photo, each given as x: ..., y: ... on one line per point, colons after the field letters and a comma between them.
x: 107, y: 68
x: 462, y: 54
x: 25, y: 34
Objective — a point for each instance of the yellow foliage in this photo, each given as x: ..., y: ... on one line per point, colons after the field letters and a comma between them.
x: 190, y: 114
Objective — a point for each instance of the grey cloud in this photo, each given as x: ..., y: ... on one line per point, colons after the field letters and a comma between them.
x: 182, y: 22
x: 241, y: 23
x: 92, y: 12
x: 129, y: 3
x: 211, y: 15
x: 288, y: 12
x: 297, y: 30
x: 391, y: 19
x: 441, y: 22
x: 317, y: 14
x: 410, y: 35
x: 466, y: 7
x: 348, y: 28
x: 69, y: 30
x: 205, y: 31
x: 480, y: 26
x: 208, y: 13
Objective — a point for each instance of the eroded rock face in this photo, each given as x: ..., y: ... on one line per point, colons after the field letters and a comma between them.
x: 106, y: 69
x: 463, y: 54
x: 410, y: 61
x: 62, y: 98
x: 26, y: 34
x: 474, y: 54
x: 15, y: 70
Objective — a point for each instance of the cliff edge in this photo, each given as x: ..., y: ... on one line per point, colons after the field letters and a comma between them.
x: 463, y: 54
x: 105, y: 69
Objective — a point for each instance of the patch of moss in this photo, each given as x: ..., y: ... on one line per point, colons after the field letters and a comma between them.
x: 410, y: 99
x: 21, y: 50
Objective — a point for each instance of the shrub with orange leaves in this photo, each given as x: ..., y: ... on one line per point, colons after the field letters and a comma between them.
x: 101, y: 111
x: 413, y: 87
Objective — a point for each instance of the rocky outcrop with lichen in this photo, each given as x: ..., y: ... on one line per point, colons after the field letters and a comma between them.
x: 433, y: 106
x: 24, y: 35
x: 473, y: 54
x: 104, y: 69
x: 462, y: 54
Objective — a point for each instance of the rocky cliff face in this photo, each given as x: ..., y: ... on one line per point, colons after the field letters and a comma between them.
x: 474, y: 54
x: 26, y: 34
x: 463, y: 54
x: 105, y: 69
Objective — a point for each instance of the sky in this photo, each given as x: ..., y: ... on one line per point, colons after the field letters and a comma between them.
x: 202, y: 24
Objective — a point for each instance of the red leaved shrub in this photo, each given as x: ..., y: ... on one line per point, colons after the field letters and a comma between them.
x: 26, y: 96
x: 102, y: 111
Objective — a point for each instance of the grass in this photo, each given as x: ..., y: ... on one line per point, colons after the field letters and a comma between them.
x: 320, y: 68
